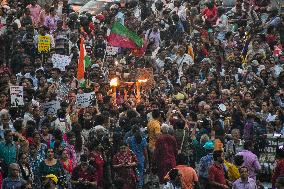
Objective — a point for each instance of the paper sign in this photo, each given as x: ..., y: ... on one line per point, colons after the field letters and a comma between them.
x: 43, y: 44
x: 50, y: 108
x: 110, y: 50
x: 85, y: 100
x: 60, y: 61
x: 17, y: 96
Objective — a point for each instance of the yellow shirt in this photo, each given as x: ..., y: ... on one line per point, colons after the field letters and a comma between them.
x: 233, y: 171
x: 154, y: 128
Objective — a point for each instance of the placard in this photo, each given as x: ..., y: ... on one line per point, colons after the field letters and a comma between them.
x: 110, y: 50
x: 43, y: 44
x: 85, y: 100
x: 60, y: 61
x: 17, y: 96
x: 50, y: 108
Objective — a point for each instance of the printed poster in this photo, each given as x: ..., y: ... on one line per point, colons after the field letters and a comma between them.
x: 17, y: 96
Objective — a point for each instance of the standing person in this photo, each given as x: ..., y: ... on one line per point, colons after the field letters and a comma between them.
x: 98, y: 160
x: 138, y: 145
x: 204, y: 164
x: 154, y: 129
x: 244, y: 182
x: 124, y: 163
x: 50, y: 21
x: 25, y: 169
x: 234, y: 146
x: 216, y: 172
x: 83, y: 176
x: 35, y: 10
x: 8, y: 149
x: 165, y: 153
x: 13, y: 180
x: 189, y: 178
x: 250, y: 159
x: 50, y: 165
x: 175, y: 180
x: 279, y: 168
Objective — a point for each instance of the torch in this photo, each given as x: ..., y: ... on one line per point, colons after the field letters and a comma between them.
x: 138, y: 92
x: 113, y: 84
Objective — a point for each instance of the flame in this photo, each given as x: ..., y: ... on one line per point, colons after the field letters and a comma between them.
x: 142, y: 80
x: 114, y: 82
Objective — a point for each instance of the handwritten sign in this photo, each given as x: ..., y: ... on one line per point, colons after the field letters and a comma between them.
x: 85, y: 100
x: 110, y: 50
x: 60, y: 61
x: 17, y: 96
x: 50, y: 108
x: 43, y: 44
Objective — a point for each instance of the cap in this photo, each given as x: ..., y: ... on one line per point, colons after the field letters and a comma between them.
x: 52, y: 177
x: 209, y: 145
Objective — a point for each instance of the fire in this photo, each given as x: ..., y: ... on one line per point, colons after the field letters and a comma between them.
x: 142, y: 80
x: 114, y: 82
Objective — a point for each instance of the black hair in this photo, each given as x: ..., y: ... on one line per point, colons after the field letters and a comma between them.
x: 239, y: 160
x: 100, y: 119
x: 217, y: 154
x: 173, y: 174
x: 181, y: 159
x: 18, y: 125
x: 131, y: 114
x: 179, y: 124
x: 156, y: 113
x: 248, y: 145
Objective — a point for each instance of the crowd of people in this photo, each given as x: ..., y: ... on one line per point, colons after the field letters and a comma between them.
x: 216, y: 92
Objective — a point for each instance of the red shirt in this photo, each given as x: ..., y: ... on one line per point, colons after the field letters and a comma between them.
x: 217, y: 174
x: 210, y: 14
x: 278, y: 171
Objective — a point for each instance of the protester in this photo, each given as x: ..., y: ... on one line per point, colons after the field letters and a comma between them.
x: 244, y: 181
x: 250, y: 160
x: 14, y: 180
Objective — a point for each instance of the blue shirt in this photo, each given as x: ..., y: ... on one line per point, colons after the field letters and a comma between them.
x: 138, y: 149
x: 205, y: 163
x: 8, y: 152
x: 8, y: 183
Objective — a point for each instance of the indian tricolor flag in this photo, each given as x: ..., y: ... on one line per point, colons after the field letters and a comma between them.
x: 84, y: 61
x: 120, y: 36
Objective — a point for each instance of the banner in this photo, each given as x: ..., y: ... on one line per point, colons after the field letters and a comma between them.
x: 43, y: 44
x: 17, y: 96
x: 50, y: 108
x: 85, y: 100
x: 60, y: 61
x: 110, y: 50
x: 267, y: 154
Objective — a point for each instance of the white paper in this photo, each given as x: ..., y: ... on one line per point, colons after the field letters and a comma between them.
x: 17, y: 96
x: 85, y: 100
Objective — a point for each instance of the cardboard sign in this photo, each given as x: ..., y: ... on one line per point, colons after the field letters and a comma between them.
x: 60, y: 61
x: 85, y: 100
x: 43, y: 44
x: 50, y: 108
x: 17, y: 96
x: 110, y: 50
